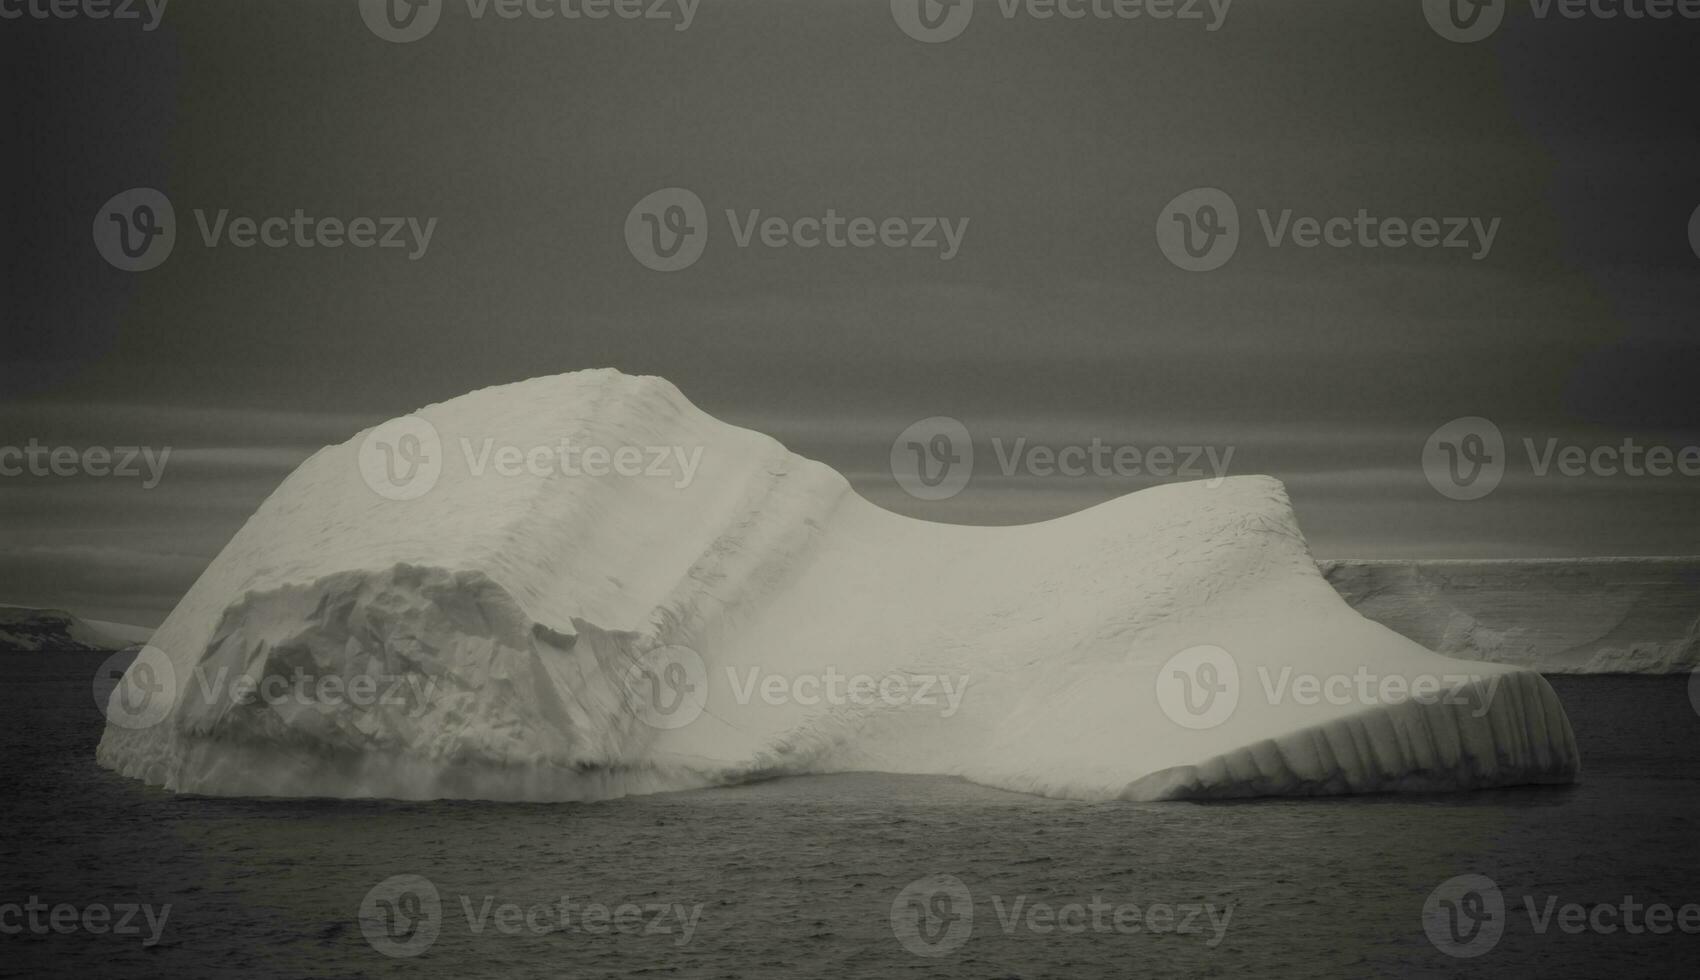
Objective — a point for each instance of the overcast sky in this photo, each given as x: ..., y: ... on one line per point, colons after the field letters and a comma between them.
x: 1058, y: 319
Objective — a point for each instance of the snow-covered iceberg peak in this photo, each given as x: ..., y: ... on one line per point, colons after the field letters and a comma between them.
x: 581, y: 586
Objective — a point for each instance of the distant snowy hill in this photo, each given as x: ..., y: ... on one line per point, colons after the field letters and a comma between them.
x: 1565, y: 616
x: 27, y: 630
x: 685, y: 603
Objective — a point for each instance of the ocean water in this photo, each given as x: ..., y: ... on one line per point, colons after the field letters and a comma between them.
x: 861, y: 875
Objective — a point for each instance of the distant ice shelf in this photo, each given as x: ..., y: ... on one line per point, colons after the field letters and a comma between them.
x: 1556, y: 615
x: 540, y: 636
x: 25, y: 629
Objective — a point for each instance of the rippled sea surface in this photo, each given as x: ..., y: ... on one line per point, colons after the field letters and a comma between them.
x: 800, y: 877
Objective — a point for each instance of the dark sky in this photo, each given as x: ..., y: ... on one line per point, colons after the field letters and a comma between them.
x: 1059, y: 319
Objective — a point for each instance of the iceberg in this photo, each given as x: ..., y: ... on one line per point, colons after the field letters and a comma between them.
x: 582, y: 586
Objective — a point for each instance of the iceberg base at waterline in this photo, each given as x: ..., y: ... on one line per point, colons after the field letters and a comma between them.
x: 722, y: 610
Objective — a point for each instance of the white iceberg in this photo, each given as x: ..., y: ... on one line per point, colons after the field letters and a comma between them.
x: 456, y: 605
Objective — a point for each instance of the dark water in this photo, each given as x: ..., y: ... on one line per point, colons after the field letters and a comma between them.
x: 798, y: 877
